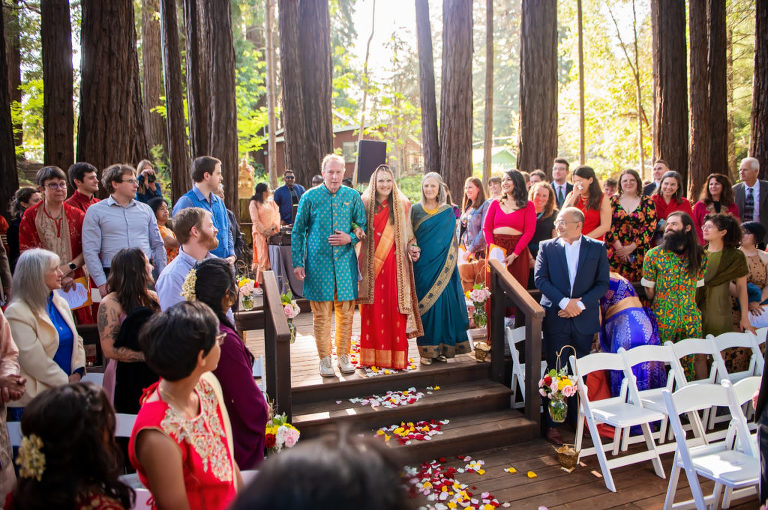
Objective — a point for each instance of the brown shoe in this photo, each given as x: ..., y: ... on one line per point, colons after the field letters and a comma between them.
x: 553, y: 436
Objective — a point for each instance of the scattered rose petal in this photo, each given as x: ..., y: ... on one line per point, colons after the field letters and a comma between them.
x: 531, y: 474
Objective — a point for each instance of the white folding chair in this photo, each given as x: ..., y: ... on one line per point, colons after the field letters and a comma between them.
x: 514, y: 336
x: 760, y: 342
x: 615, y: 412
x: 94, y: 377
x: 124, y: 424
x: 724, y: 341
x: 719, y: 462
x: 742, y: 392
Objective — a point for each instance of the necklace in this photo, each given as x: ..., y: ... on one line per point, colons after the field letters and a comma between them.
x: 431, y: 211
x: 171, y: 399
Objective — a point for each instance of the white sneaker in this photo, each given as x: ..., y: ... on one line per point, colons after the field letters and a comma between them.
x: 326, y: 367
x: 345, y: 366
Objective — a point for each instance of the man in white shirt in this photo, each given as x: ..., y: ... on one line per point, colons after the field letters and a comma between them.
x: 560, y: 183
x: 572, y: 274
x: 751, y: 194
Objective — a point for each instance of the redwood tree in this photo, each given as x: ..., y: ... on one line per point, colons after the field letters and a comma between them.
x: 58, y: 110
x: 9, y: 178
x: 456, y: 95
x: 538, y: 85
x: 151, y: 59
x: 431, y: 146
x: 13, y: 58
x: 758, y: 144
x: 718, y: 88
x: 670, y: 101
x: 111, y: 124
x: 700, y: 129
x: 178, y: 152
x: 198, y: 101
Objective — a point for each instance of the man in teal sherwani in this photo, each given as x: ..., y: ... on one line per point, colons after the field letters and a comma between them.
x: 323, y: 251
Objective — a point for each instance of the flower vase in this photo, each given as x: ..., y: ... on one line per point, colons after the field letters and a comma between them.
x: 292, y: 328
x: 558, y: 407
x: 247, y: 302
x: 480, y: 318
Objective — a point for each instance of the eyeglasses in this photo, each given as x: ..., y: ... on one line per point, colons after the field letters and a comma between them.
x: 54, y: 186
x: 565, y: 222
x: 132, y: 181
x: 289, y: 177
x: 220, y: 338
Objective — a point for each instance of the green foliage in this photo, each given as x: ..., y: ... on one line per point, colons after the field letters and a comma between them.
x: 411, y: 187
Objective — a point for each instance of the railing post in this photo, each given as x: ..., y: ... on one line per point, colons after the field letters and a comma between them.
x: 496, y: 340
x: 533, y: 366
x: 277, y: 347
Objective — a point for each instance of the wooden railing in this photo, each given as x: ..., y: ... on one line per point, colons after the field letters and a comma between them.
x: 277, y: 343
x: 507, y: 291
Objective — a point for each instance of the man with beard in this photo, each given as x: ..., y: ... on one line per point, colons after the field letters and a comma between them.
x: 671, y: 273
x: 196, y: 233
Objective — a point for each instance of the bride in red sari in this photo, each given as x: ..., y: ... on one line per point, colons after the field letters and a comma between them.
x: 389, y: 311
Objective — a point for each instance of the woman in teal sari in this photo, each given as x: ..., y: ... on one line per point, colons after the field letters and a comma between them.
x: 438, y: 285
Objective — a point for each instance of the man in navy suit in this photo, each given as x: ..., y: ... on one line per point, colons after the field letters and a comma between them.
x: 560, y: 184
x: 572, y: 275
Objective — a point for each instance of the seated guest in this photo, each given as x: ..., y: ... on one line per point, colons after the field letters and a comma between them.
x: 51, y: 352
x: 669, y: 197
x: 213, y: 283
x: 121, y: 314
x: 265, y: 221
x: 716, y: 196
x: 11, y: 388
x: 84, y: 178
x: 632, y: 226
x: 181, y: 444
x: 148, y: 188
x: 757, y: 262
x: 160, y: 208
x: 470, y: 234
x: 591, y: 201
x: 69, y: 457
x: 23, y: 199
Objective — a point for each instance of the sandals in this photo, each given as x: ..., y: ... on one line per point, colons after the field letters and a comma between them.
x: 426, y: 361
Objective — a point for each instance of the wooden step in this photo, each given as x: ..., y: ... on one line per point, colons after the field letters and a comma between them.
x: 451, y: 400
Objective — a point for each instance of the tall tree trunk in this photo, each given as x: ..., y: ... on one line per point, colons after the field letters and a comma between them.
x: 366, y: 86
x: 488, y: 120
x: 431, y: 146
x: 732, y: 168
x: 758, y: 142
x: 198, y: 101
x: 151, y: 56
x: 295, y: 131
x: 178, y: 152
x: 222, y: 141
x: 718, y: 88
x: 670, y: 101
x: 456, y: 95
x: 700, y: 134
x: 111, y: 124
x: 254, y: 34
x: 269, y: 34
x: 9, y: 178
x: 538, y: 86
x: 582, y: 130
x: 13, y: 58
x: 58, y: 109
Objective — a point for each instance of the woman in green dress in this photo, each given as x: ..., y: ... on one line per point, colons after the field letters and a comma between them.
x: 438, y: 285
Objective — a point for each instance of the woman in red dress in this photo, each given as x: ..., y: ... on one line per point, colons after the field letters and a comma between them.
x: 389, y: 308
x: 716, y: 196
x: 669, y: 198
x: 590, y: 200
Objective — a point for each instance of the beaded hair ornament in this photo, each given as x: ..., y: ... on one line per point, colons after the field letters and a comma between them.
x: 31, y: 459
x: 188, y: 288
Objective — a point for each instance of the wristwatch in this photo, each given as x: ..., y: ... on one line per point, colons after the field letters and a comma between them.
x: 72, y: 266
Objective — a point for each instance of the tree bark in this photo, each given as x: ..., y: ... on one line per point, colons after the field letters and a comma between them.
x: 13, y: 58
x: 58, y: 109
x: 366, y: 86
x: 670, y: 102
x: 178, y: 152
x: 582, y: 130
x: 488, y: 120
x: 700, y: 133
x: 151, y: 56
x: 456, y: 95
x: 718, y: 88
x: 198, y: 101
x: 111, y: 124
x: 758, y: 143
x: 222, y: 141
x: 295, y: 131
x: 430, y: 143
x: 538, y: 86
x: 271, y: 92
x: 9, y: 178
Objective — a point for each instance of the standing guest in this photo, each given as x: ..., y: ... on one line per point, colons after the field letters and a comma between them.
x: 69, y: 458
x: 56, y: 226
x: 121, y: 314
x: 716, y: 197
x: 84, y: 178
x: 118, y: 222
x: 591, y: 201
x: 537, y: 176
x: 543, y: 197
x: 181, y: 444
x: 162, y: 214
x: 671, y: 273
x: 659, y: 169
x: 438, y: 286
x: 633, y: 223
x: 323, y: 251
x: 51, y: 352
x: 213, y: 283
x: 265, y: 221
x: 288, y: 195
x: 238, y: 240
x: 494, y: 188
x: 149, y: 188
x: 197, y: 235
x: 11, y: 388
x: 317, y: 180
x: 560, y: 183
x: 23, y: 199
x: 510, y: 225
x: 610, y: 186
x: 449, y: 201
x: 387, y: 294
x: 206, y: 174
x: 669, y: 198
x: 572, y: 275
x: 470, y: 234
x: 751, y: 194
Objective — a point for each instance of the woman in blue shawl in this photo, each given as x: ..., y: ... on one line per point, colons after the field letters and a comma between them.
x: 438, y: 285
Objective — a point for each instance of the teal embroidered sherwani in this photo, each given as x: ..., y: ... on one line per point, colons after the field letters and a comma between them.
x: 328, y: 268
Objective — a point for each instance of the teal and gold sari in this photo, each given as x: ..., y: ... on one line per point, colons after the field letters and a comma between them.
x: 438, y: 286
